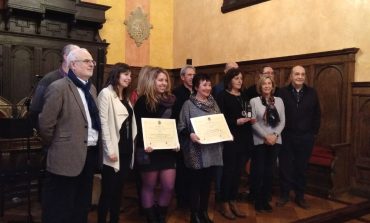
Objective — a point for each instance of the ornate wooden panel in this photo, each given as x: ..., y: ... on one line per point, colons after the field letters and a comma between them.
x: 33, y: 33
x: 360, y: 153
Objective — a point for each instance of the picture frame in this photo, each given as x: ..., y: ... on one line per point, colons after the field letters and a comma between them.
x: 231, y: 5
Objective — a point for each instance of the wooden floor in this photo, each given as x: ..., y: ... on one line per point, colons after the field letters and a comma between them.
x: 285, y: 214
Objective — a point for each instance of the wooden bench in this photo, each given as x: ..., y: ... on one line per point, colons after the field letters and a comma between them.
x: 326, y: 175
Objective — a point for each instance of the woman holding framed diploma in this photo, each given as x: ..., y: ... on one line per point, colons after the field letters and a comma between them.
x: 234, y: 104
x: 199, y: 158
x: 270, y: 121
x: 156, y: 101
x: 118, y: 134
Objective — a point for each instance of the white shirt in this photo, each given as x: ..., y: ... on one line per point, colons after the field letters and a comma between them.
x: 92, y: 134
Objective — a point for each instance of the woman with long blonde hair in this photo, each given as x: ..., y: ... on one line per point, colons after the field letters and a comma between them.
x: 156, y: 102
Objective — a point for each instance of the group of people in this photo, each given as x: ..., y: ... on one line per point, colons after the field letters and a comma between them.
x: 83, y: 131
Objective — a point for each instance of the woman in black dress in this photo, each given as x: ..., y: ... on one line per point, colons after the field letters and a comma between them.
x: 235, y: 107
x: 155, y: 102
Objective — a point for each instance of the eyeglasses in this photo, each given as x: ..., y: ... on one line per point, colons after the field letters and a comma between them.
x: 86, y: 61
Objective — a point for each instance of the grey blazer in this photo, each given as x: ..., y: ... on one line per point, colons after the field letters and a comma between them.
x: 63, y: 128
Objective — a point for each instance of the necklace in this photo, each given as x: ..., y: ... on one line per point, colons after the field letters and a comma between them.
x: 246, y: 108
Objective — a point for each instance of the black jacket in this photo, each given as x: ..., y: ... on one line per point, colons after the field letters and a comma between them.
x: 302, y: 117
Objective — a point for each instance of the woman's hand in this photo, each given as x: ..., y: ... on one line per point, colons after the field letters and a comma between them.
x: 242, y: 121
x: 113, y: 157
x: 194, y: 138
x: 148, y: 149
x: 270, y: 139
x: 176, y: 149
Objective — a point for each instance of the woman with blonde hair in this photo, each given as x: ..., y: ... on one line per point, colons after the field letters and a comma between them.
x: 156, y: 102
x: 142, y: 77
x: 269, y: 113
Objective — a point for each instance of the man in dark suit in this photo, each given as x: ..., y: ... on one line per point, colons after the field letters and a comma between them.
x: 38, y: 98
x: 265, y: 70
x: 302, y: 112
x: 182, y: 94
x: 220, y: 86
x: 69, y: 126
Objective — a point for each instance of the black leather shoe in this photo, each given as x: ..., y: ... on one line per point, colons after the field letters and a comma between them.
x: 204, y: 218
x: 267, y: 207
x: 302, y: 203
x: 194, y: 218
x: 282, y: 202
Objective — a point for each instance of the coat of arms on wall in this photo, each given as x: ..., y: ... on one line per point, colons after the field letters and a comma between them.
x: 138, y: 26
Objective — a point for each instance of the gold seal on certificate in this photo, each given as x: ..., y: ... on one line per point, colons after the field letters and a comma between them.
x: 211, y: 129
x: 160, y: 133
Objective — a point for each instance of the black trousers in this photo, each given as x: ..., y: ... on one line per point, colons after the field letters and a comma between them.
x: 293, y: 161
x: 263, y: 157
x: 200, y: 188
x: 68, y: 199
x: 233, y: 164
x: 182, y: 181
x: 111, y: 190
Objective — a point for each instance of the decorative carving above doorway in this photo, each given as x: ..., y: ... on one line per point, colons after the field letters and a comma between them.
x: 138, y: 26
x: 231, y: 5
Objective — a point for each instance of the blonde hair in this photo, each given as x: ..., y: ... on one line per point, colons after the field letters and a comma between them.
x: 149, y: 88
x: 262, y: 80
x: 142, y: 78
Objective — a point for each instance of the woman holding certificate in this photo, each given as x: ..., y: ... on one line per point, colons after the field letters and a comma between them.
x: 156, y: 101
x: 118, y: 131
x: 199, y: 158
x: 236, y: 109
x: 270, y: 121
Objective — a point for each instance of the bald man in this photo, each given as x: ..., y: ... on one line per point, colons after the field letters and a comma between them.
x: 302, y: 112
x: 69, y: 126
x: 220, y: 86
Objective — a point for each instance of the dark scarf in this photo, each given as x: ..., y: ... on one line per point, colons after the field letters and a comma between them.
x: 167, y: 101
x: 94, y: 112
x: 271, y: 116
x: 209, y: 106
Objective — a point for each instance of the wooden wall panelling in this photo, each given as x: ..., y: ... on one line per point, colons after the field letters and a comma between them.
x: 360, y: 153
x: 33, y: 33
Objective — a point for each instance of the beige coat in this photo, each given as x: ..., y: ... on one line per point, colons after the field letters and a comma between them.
x: 112, y: 114
x: 63, y: 128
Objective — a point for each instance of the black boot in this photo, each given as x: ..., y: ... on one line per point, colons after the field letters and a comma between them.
x: 204, y: 218
x: 194, y: 217
x: 161, y: 213
x: 151, y: 216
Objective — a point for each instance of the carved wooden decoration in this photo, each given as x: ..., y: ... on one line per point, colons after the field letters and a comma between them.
x: 138, y: 26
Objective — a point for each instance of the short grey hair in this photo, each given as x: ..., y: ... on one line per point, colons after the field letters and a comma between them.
x: 73, y: 55
x: 68, y: 48
x: 183, y: 70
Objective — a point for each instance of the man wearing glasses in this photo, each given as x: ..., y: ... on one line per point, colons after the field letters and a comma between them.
x: 69, y: 126
x: 265, y: 70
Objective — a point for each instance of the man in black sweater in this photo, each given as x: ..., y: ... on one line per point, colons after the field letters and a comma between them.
x: 182, y: 94
x: 302, y: 112
x: 265, y: 70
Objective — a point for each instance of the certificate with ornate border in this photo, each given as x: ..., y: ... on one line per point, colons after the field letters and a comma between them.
x: 211, y: 129
x: 159, y: 133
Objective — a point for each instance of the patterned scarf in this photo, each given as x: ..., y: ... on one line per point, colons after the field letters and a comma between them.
x: 209, y: 106
x: 93, y: 109
x: 271, y: 116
